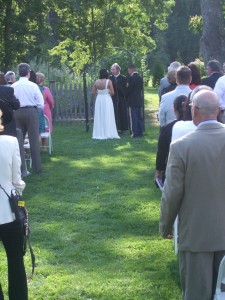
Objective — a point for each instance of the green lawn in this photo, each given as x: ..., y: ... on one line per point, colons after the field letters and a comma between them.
x: 94, y: 215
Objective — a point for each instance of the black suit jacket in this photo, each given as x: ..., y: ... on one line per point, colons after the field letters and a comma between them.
x: 7, y: 95
x: 119, y: 86
x: 135, y: 91
x: 211, y: 80
x: 164, y: 146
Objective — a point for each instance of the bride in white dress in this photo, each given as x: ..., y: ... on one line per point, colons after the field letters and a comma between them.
x: 104, y: 118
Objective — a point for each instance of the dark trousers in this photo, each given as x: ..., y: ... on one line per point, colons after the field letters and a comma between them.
x: 121, y: 116
x: 11, y: 235
x: 27, y: 120
x: 198, y: 274
x: 136, y: 121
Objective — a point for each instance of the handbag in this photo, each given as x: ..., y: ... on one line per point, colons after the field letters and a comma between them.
x: 20, y: 214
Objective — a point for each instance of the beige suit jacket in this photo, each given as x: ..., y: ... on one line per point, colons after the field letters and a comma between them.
x: 195, y: 190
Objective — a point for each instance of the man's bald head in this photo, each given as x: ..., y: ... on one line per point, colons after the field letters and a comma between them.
x: 205, y: 106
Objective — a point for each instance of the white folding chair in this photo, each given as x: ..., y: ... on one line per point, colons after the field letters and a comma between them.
x: 47, y: 135
x: 26, y: 146
x: 220, y: 285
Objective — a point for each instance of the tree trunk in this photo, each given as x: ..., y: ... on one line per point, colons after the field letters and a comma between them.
x: 212, y: 43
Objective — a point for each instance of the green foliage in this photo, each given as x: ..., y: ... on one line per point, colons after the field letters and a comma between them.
x: 157, y: 73
x: 201, y: 66
x: 98, y: 26
x: 23, y: 26
x: 180, y: 37
x: 196, y: 23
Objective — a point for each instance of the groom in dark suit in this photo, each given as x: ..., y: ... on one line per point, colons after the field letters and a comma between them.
x: 119, y: 100
x: 135, y: 102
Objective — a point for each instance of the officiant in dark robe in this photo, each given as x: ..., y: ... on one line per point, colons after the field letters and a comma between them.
x: 119, y: 99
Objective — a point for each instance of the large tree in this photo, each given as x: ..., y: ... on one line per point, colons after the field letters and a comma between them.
x: 212, y: 43
x: 23, y: 29
x: 88, y: 29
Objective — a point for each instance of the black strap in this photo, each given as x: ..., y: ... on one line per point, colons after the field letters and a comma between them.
x: 26, y: 240
x: 32, y: 259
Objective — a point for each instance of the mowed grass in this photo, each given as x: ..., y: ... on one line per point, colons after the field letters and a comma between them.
x: 94, y: 215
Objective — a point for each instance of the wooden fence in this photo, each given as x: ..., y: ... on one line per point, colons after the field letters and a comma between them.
x: 69, y: 101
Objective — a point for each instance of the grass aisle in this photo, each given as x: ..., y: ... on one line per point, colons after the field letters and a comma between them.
x: 94, y: 218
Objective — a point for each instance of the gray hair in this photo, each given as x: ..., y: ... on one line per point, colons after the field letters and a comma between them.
x: 116, y: 65
x: 174, y: 65
x: 9, y: 76
x: 207, y: 102
x: 40, y: 78
x: 197, y: 89
x: 214, y: 65
x: 23, y: 69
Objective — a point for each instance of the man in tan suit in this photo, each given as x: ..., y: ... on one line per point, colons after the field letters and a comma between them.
x: 194, y: 190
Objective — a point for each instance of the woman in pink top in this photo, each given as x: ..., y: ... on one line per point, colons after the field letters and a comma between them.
x: 48, y: 98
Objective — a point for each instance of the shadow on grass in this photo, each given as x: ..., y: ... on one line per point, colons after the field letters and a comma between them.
x: 94, y: 211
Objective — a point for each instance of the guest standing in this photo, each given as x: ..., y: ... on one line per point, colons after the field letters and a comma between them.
x: 33, y: 78
x: 7, y: 95
x: 214, y: 72
x: 48, y: 98
x: 164, y: 81
x: 165, y: 136
x: 166, y: 112
x: 135, y: 102
x: 104, y: 118
x: 172, y: 77
x: 195, y: 75
x: 194, y: 189
x: 11, y: 232
x: 26, y: 117
x: 119, y: 99
x: 10, y: 77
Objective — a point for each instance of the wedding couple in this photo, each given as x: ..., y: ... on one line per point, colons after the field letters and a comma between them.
x: 111, y: 115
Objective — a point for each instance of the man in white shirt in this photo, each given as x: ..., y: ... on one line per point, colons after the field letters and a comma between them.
x: 166, y: 112
x: 220, y: 90
x: 26, y: 117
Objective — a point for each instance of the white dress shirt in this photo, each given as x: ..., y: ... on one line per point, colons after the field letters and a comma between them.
x: 166, y: 112
x: 28, y: 93
x: 10, y: 175
x: 181, y: 128
x: 220, y: 90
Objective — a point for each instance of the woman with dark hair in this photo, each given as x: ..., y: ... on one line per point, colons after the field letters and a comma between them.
x: 165, y: 138
x: 195, y: 74
x: 104, y: 118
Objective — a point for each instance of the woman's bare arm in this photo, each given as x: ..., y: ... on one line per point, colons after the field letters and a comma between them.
x: 94, y: 89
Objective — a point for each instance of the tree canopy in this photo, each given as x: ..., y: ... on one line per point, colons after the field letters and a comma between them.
x: 78, y: 33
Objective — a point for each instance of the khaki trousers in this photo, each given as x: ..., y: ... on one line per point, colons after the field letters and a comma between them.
x: 198, y: 274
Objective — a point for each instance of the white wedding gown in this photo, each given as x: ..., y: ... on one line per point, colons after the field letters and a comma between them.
x: 104, y: 118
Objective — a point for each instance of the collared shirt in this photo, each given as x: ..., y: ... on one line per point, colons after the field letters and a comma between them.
x: 208, y: 122
x: 220, y: 90
x: 166, y: 111
x: 28, y: 93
